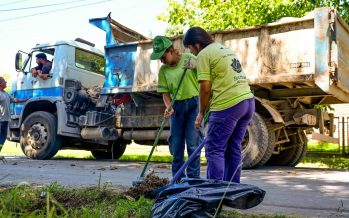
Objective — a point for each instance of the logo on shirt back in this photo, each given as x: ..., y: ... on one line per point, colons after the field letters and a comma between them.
x: 236, y: 65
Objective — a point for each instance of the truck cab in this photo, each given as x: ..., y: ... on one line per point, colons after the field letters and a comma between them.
x: 45, y: 118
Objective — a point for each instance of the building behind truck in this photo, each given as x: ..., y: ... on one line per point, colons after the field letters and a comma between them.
x: 292, y: 66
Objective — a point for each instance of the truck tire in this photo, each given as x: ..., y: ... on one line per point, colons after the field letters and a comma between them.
x: 271, y: 142
x: 255, y: 143
x: 294, y: 155
x: 302, y: 151
x: 39, y: 139
x: 115, y: 150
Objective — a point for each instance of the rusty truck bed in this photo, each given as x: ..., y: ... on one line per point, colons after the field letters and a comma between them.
x: 293, y: 57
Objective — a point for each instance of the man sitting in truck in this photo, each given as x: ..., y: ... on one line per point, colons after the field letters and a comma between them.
x: 44, y: 66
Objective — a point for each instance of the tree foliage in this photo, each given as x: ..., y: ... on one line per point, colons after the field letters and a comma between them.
x: 227, y: 14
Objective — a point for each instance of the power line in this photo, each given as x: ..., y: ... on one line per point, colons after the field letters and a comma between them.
x: 47, y: 12
x: 10, y: 3
x: 42, y: 6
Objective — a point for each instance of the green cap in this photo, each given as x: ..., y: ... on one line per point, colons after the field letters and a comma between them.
x: 160, y: 45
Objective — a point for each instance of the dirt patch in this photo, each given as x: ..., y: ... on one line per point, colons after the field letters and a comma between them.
x: 150, y: 183
x: 76, y: 198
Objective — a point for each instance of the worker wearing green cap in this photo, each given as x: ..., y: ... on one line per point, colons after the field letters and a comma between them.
x: 185, y: 109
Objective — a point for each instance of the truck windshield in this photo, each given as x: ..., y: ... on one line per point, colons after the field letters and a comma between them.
x: 89, y: 61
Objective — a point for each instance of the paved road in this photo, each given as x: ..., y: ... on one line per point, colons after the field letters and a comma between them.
x: 292, y: 191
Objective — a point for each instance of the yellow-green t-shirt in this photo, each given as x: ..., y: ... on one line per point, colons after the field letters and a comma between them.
x: 220, y: 65
x: 169, y: 78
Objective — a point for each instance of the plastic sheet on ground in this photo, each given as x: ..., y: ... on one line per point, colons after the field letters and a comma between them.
x: 201, y: 197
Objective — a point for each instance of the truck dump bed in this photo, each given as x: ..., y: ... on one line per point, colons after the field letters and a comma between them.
x: 294, y: 57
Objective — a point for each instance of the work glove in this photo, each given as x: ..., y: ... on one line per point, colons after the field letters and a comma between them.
x: 190, y: 64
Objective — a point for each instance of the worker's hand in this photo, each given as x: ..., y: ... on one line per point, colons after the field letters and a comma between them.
x: 190, y: 64
x: 168, y: 112
x: 43, y: 76
x: 34, y: 72
x: 198, y: 120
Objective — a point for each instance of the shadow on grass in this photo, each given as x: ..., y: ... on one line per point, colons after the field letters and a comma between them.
x: 326, y: 162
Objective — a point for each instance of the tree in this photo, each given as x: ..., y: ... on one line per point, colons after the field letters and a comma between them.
x: 227, y: 14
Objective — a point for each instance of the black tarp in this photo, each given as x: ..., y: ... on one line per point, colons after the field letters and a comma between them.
x: 201, y: 197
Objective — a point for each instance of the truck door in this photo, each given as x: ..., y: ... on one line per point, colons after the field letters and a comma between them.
x: 48, y: 87
x: 23, y: 87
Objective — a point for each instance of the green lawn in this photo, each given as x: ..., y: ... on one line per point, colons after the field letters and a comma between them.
x: 135, y: 152
x: 12, y: 148
x: 323, y: 147
x: 93, y: 202
x: 334, y: 162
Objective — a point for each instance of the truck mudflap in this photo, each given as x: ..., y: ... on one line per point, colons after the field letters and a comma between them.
x: 277, y: 118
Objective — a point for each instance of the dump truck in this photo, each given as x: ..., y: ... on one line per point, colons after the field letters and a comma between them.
x: 292, y: 65
x: 45, y: 123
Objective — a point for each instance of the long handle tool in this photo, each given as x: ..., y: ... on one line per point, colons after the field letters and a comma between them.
x: 141, y: 178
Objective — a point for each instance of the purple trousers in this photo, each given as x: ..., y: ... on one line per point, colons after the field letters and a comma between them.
x: 226, y: 130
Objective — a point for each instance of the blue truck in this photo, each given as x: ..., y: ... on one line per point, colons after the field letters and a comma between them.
x: 293, y: 65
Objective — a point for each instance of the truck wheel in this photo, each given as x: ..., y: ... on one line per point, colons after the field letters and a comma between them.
x: 39, y: 139
x: 115, y: 150
x: 294, y: 155
x: 255, y: 142
x: 271, y: 142
x: 302, y: 151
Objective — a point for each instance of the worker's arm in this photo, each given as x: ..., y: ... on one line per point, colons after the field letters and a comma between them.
x: 43, y: 76
x: 167, y: 100
x: 205, y: 94
x: 15, y: 100
x: 45, y: 71
x: 34, y: 72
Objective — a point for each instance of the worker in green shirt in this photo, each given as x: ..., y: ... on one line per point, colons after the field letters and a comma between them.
x: 185, y: 109
x: 225, y: 92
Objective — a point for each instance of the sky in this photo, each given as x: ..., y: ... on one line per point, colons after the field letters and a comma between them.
x: 22, y: 29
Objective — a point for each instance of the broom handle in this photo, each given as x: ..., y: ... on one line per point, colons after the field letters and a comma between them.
x: 191, y: 158
x: 163, y: 124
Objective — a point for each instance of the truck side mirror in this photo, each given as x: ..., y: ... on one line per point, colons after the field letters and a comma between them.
x: 18, y: 62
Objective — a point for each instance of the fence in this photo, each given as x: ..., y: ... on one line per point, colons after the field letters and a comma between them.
x: 341, y: 131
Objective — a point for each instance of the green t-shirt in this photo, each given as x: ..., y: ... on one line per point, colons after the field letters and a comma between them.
x: 221, y: 66
x: 169, y: 78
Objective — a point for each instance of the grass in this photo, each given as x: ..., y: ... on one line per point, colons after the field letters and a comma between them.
x: 134, y: 152
x: 333, y: 162
x: 100, y: 201
x: 161, y: 154
x: 57, y: 201
x: 104, y: 201
x: 12, y: 148
x: 323, y: 147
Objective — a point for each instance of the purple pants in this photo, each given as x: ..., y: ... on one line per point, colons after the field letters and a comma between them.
x: 226, y: 130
